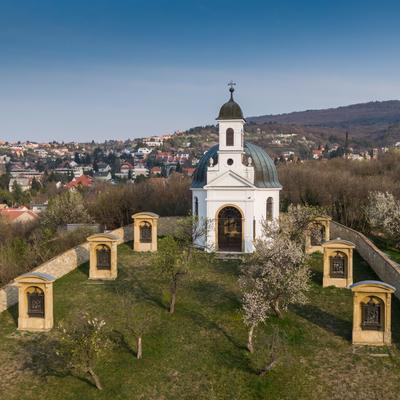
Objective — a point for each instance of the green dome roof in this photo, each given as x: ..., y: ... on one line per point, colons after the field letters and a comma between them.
x: 265, y: 174
x: 231, y: 109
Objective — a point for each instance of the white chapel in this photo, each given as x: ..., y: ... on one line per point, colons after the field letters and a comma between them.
x: 235, y: 187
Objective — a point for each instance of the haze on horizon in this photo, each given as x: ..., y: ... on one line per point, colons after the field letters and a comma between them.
x: 83, y: 70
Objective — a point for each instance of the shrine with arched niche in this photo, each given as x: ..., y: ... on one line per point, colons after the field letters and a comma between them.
x: 338, y: 263
x: 145, y: 226
x: 372, y: 303
x: 103, y: 256
x: 318, y: 232
x: 35, y: 302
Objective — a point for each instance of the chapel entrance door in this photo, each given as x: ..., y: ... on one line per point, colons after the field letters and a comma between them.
x: 230, y: 229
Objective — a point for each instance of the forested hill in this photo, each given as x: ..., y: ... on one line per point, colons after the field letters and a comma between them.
x: 369, y: 125
x: 375, y: 112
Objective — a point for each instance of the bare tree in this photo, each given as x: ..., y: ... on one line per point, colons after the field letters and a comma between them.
x: 174, y: 259
x: 134, y: 325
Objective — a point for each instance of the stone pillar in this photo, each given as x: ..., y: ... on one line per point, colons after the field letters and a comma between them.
x: 35, y: 302
x: 338, y: 263
x: 145, y: 231
x: 319, y: 223
x: 372, y: 313
x: 103, y: 256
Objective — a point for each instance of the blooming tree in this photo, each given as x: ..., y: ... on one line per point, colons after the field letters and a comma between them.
x: 383, y: 214
x: 277, y: 273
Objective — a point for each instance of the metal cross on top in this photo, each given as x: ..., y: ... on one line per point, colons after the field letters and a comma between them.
x: 231, y: 84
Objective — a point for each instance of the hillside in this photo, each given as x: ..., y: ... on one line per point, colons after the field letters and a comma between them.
x: 370, y: 124
x: 374, y: 112
x: 199, y: 352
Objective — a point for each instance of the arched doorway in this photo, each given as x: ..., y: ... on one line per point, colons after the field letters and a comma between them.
x: 229, y: 229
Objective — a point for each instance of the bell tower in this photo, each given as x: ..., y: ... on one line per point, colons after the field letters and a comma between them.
x: 231, y: 123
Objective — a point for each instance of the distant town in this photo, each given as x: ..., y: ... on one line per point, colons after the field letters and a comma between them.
x: 29, y: 167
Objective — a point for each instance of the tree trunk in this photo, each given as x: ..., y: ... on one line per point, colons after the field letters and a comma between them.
x: 139, y: 348
x: 172, y: 304
x: 250, y: 346
x: 173, y: 298
x: 277, y: 310
x: 268, y: 367
x: 95, y: 378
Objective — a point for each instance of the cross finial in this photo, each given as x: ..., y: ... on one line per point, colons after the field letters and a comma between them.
x: 231, y: 85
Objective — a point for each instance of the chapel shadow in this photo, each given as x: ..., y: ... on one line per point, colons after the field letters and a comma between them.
x: 325, y: 320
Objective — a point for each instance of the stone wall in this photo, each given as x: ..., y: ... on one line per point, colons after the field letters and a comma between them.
x: 387, y: 269
x: 73, y: 258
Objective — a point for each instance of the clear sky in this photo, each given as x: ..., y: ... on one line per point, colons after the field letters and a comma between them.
x: 97, y: 69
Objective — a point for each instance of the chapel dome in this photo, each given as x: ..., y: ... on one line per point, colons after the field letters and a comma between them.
x: 231, y: 109
x: 265, y: 174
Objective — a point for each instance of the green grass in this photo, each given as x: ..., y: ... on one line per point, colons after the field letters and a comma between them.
x: 391, y: 251
x: 199, y: 353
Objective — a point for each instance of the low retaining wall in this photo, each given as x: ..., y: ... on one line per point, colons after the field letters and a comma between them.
x: 73, y: 258
x: 387, y: 269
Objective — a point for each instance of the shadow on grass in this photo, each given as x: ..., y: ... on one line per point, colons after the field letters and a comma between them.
x: 213, y: 294
x: 316, y: 277
x: 130, y: 282
x: 84, y: 269
x: 362, y: 270
x: 325, y: 320
x: 234, y: 356
x: 119, y: 339
x: 40, y: 358
x: 13, y: 311
x: 206, y: 323
x: 225, y: 267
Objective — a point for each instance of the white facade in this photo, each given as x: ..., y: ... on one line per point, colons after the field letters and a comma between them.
x: 231, y: 183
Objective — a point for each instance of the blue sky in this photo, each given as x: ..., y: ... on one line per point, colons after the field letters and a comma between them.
x: 83, y: 70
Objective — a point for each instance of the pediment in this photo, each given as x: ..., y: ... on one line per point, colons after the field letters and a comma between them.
x: 229, y: 179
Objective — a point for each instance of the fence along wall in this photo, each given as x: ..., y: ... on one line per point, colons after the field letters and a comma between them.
x: 73, y: 258
x: 387, y: 269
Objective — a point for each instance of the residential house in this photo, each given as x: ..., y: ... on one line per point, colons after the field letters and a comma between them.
x: 18, y: 215
x: 81, y: 181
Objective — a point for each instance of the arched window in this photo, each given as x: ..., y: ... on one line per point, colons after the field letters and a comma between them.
x: 103, y: 257
x: 196, y: 207
x: 35, y: 302
x: 270, y: 211
x: 338, y: 265
x: 229, y: 137
x: 145, y: 232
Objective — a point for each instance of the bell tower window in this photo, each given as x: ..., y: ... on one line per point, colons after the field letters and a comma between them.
x: 229, y: 137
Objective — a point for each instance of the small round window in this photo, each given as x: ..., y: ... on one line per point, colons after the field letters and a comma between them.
x: 230, y: 161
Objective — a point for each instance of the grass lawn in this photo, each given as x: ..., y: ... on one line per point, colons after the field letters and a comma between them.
x: 391, y: 251
x: 199, y: 353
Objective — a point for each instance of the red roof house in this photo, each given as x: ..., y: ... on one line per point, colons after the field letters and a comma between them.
x: 83, y: 180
